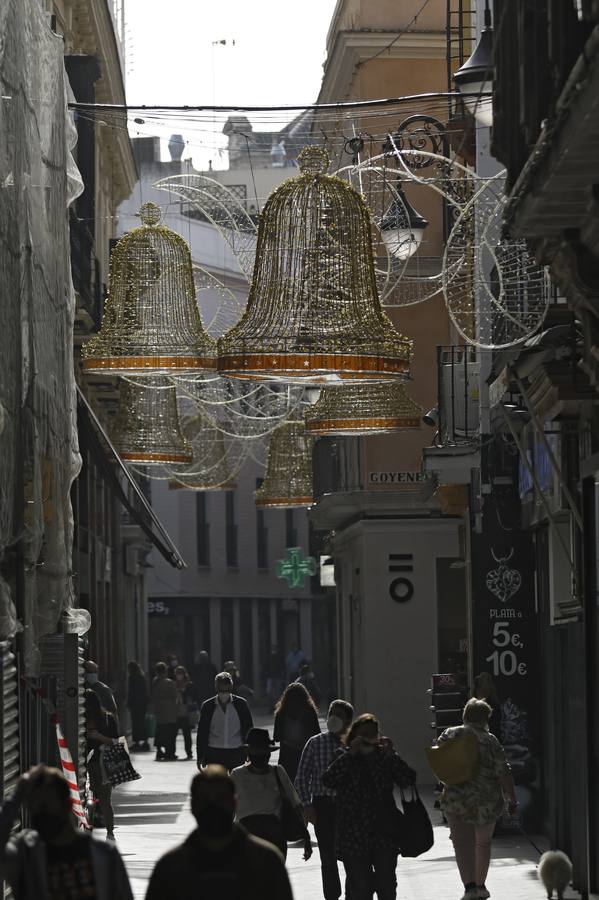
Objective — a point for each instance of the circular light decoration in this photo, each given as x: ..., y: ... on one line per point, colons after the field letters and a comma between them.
x: 313, y: 312
x: 209, y: 469
x: 288, y: 478
x: 146, y: 430
x: 363, y: 409
x: 152, y: 322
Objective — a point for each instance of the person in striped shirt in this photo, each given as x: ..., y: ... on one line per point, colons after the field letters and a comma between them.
x: 318, y: 801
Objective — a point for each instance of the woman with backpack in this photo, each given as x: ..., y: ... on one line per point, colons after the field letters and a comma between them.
x: 472, y: 807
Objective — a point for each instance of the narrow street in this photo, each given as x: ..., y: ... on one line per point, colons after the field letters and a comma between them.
x: 153, y: 815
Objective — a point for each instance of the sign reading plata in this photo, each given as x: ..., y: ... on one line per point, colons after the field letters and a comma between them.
x: 295, y: 567
x: 396, y: 477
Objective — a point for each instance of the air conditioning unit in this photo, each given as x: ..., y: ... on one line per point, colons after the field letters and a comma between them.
x: 460, y: 392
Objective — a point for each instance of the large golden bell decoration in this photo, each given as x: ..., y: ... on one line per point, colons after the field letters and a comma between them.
x: 363, y: 409
x: 146, y: 430
x: 209, y: 469
x: 288, y: 479
x: 152, y: 322
x: 313, y: 312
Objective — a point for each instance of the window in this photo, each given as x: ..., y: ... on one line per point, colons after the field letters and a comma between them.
x: 230, y: 531
x: 290, y: 530
x: 203, y: 529
x: 261, y: 535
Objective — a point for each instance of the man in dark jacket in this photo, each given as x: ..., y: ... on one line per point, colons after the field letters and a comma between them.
x: 225, y: 720
x: 219, y: 860
x: 53, y: 858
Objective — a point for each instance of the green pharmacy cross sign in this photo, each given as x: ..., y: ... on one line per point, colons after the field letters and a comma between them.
x: 295, y: 567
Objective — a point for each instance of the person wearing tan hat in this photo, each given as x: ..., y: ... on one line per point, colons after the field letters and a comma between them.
x: 261, y: 791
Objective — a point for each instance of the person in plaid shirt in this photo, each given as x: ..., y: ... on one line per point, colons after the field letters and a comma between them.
x: 318, y: 801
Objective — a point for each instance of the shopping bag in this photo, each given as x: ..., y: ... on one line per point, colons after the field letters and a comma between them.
x: 417, y: 832
x: 294, y: 827
x: 116, y: 764
x: 455, y: 761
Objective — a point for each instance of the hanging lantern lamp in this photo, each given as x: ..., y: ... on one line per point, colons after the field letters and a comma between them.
x: 288, y: 479
x: 146, y: 429
x: 363, y: 409
x: 474, y: 79
x: 152, y: 321
x: 313, y: 314
x: 402, y: 227
x: 209, y: 469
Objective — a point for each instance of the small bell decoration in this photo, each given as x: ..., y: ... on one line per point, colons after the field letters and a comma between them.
x: 363, y: 409
x: 313, y: 314
x: 147, y: 430
x: 209, y: 469
x: 288, y: 479
x: 152, y: 323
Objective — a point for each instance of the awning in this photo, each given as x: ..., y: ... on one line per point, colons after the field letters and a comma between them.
x: 105, y: 456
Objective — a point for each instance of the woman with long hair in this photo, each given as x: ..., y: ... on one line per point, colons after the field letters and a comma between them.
x: 296, y: 721
x: 363, y: 778
x: 101, y: 729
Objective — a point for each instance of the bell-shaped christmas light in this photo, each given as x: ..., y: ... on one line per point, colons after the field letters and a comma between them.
x: 152, y: 321
x: 146, y: 430
x: 209, y: 469
x: 288, y: 478
x: 363, y: 409
x: 313, y: 313
x: 402, y: 227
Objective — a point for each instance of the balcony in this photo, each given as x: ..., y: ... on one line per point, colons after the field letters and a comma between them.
x: 455, y: 450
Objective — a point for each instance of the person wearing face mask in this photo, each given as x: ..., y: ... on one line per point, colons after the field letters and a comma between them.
x: 364, y: 777
x: 105, y: 694
x: 319, y: 802
x: 260, y: 789
x: 53, y: 859
x: 225, y: 721
x: 219, y: 859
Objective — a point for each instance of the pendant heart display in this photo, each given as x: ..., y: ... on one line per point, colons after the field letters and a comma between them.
x: 504, y: 582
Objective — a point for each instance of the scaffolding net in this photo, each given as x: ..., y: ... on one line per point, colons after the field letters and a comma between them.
x: 38, y: 439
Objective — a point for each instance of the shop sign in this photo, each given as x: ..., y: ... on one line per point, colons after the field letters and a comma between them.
x: 295, y: 567
x: 158, y: 608
x: 394, y: 478
x: 401, y: 587
x: 504, y: 638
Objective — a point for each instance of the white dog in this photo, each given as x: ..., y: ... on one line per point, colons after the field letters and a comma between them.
x: 555, y: 871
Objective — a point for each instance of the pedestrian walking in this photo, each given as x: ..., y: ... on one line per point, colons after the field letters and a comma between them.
x: 225, y: 720
x: 203, y: 673
x: 164, y: 704
x: 102, y: 730
x: 273, y: 673
x: 138, y: 697
x: 308, y: 679
x: 187, y: 706
x: 262, y: 790
x: 473, y: 807
x: 105, y: 693
x: 320, y: 802
x: 293, y: 661
x: 239, y: 688
x: 363, y: 778
x: 54, y: 859
x: 219, y: 859
x: 296, y: 721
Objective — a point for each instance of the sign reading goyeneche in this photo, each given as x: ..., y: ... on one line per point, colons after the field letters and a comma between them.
x: 394, y: 478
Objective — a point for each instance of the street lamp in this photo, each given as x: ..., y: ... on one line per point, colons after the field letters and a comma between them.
x: 402, y: 227
x: 475, y: 78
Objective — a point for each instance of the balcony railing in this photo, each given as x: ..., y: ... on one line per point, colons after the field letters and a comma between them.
x: 458, y: 417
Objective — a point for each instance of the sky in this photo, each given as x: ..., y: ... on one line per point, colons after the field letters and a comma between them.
x: 174, y: 56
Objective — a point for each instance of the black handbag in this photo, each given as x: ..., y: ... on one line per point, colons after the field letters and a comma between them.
x: 417, y: 832
x: 294, y: 827
x: 390, y: 821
